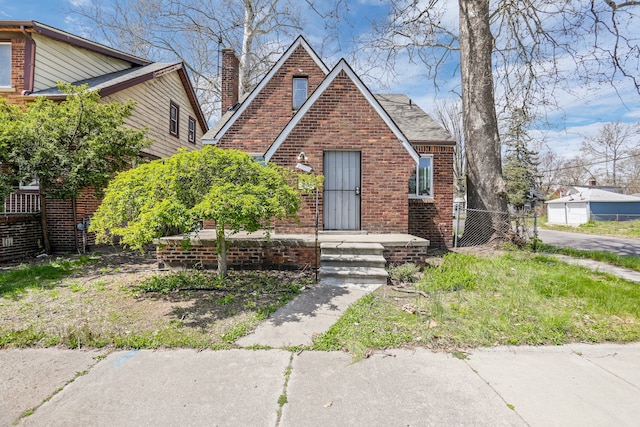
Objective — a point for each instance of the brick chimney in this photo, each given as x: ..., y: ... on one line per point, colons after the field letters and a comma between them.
x: 592, y: 182
x: 230, y: 78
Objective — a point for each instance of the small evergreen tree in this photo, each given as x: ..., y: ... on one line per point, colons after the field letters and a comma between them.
x: 520, y: 165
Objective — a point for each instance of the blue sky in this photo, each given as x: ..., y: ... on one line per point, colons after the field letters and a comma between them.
x: 583, y: 111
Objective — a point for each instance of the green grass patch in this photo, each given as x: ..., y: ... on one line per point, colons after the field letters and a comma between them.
x: 42, y: 276
x: 187, y: 309
x: 627, y: 261
x: 630, y: 229
x: 512, y: 299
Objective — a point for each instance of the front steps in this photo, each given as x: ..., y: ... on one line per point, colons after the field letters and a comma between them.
x: 361, y: 264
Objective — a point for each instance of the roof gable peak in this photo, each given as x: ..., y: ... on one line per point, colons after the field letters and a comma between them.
x: 341, y: 66
x: 298, y: 42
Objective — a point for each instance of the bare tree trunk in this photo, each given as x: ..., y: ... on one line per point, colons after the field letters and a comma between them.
x: 222, y: 250
x: 486, y: 189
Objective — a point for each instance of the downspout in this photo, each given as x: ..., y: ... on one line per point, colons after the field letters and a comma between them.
x: 30, y: 62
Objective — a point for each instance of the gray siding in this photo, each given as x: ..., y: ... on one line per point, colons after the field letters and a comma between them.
x: 152, y: 110
x: 57, y: 60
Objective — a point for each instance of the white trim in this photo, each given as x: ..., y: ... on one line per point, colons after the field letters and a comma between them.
x: 300, y: 41
x: 341, y: 66
x: 3, y: 43
x: 432, y: 184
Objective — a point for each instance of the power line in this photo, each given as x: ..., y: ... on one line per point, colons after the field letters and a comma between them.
x: 589, y: 164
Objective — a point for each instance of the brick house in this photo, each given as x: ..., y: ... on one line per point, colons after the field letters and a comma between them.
x: 388, y: 166
x: 33, y: 58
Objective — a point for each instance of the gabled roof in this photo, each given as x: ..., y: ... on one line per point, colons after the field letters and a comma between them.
x: 223, y: 125
x: 595, y: 195
x: 416, y: 125
x: 111, y: 83
x: 342, y: 66
x: 56, y: 34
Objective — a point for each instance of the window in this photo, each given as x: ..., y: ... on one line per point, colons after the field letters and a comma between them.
x: 192, y: 130
x: 300, y: 85
x: 174, y: 118
x: 5, y: 64
x: 34, y: 184
x: 421, y: 182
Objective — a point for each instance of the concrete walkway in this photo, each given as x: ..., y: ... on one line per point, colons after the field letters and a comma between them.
x: 309, y: 314
x: 573, y: 385
x: 625, y: 273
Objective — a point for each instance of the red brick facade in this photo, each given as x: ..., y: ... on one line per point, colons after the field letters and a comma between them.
x: 271, y: 110
x: 21, y: 236
x: 64, y: 235
x: 17, y: 71
x: 342, y: 119
x: 432, y: 219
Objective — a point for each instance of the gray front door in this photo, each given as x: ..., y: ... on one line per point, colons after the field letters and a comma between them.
x: 341, y: 190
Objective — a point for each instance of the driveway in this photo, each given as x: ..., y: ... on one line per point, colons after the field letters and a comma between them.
x: 590, y: 242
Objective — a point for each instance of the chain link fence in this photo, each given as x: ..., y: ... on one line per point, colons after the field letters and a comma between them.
x: 475, y: 227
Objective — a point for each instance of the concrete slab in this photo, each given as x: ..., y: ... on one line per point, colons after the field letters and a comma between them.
x: 29, y: 376
x: 310, y: 313
x: 556, y: 386
x: 622, y: 361
x: 399, y: 388
x: 180, y: 387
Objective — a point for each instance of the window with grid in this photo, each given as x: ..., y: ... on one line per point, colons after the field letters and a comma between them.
x: 174, y: 118
x: 192, y: 130
x: 300, y: 86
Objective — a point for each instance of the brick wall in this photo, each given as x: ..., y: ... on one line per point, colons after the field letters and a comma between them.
x: 258, y: 253
x: 342, y: 119
x: 17, y: 71
x: 20, y: 236
x: 262, y: 121
x: 432, y: 219
x: 263, y: 254
x: 229, y: 86
x: 61, y: 224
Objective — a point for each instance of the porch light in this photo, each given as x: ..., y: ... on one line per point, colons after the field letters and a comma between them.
x: 302, y: 157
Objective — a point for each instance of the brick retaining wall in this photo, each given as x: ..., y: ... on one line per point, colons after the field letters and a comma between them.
x: 20, y: 236
x: 276, y: 253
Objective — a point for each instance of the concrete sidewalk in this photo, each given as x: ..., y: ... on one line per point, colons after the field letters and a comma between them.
x: 581, y: 385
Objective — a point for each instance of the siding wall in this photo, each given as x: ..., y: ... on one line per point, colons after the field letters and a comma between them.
x: 152, y: 110
x: 56, y: 60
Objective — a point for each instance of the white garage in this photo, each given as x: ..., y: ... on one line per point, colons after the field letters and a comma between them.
x: 595, y: 204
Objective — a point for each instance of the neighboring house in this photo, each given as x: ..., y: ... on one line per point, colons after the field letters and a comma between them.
x: 592, y: 203
x: 388, y: 166
x: 33, y: 58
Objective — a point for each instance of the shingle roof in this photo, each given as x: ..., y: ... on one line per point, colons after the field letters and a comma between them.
x: 111, y: 79
x: 414, y: 123
x: 595, y: 195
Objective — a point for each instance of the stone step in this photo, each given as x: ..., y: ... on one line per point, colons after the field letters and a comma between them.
x: 354, y: 274
x: 352, y: 248
x: 353, y: 260
x: 352, y: 264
